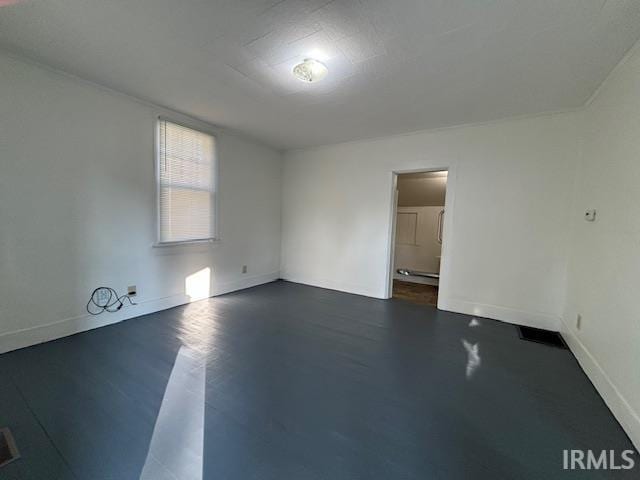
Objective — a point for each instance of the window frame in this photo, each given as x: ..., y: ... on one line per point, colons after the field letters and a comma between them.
x: 215, y: 183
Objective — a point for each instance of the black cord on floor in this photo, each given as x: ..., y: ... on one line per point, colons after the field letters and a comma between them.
x: 106, y: 299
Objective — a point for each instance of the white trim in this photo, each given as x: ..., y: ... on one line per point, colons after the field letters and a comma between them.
x: 391, y: 240
x: 69, y: 326
x: 185, y: 242
x: 495, y: 312
x: 625, y: 414
x: 499, y: 312
x: 331, y: 285
x: 449, y: 207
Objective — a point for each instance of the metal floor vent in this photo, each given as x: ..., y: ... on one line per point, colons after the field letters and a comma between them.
x: 546, y: 337
x: 8, y: 449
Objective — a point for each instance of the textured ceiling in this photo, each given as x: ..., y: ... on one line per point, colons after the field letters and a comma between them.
x: 394, y: 65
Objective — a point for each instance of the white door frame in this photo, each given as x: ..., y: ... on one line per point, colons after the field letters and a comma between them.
x: 447, y: 230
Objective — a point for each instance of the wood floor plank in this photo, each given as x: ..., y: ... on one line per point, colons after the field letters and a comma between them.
x: 286, y: 381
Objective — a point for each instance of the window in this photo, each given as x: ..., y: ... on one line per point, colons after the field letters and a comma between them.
x: 186, y: 184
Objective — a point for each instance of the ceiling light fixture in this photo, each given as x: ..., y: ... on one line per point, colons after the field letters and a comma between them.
x: 310, y: 70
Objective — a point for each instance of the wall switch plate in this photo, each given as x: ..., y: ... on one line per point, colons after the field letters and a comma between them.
x: 132, y: 291
x: 590, y: 215
x: 244, y: 269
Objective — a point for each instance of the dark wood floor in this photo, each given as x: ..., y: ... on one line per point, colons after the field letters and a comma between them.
x: 286, y: 381
x: 415, y: 292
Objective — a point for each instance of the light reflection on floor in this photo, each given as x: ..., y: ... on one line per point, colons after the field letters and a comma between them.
x: 177, y: 443
x: 473, y: 357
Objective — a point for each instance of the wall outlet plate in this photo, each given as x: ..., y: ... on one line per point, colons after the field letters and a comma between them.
x: 103, y: 296
x: 244, y: 269
x: 590, y: 215
x: 578, y: 322
x: 132, y: 291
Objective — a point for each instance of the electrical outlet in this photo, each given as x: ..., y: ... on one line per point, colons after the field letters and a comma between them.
x: 244, y: 269
x: 132, y: 291
x: 578, y: 321
x: 103, y: 296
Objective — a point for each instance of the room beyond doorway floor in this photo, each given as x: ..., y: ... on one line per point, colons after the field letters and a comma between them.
x: 415, y: 292
x: 286, y: 381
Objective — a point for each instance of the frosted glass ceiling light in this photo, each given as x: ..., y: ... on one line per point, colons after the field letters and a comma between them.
x: 310, y: 71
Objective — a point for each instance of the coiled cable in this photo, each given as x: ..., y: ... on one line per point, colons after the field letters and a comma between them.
x: 106, y: 299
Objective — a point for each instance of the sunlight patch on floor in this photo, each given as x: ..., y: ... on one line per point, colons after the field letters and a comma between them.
x: 177, y: 443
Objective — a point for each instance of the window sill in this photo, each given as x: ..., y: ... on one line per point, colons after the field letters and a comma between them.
x: 181, y: 243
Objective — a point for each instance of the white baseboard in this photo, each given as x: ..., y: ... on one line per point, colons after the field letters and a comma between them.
x: 497, y: 312
x: 69, y: 326
x: 629, y: 419
x: 505, y: 314
x: 331, y: 285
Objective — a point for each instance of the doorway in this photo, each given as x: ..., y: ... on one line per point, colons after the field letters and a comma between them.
x: 419, y: 234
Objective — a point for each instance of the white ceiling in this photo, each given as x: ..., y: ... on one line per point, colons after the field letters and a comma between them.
x: 394, y: 65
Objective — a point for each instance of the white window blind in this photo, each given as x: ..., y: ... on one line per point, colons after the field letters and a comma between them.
x: 186, y: 184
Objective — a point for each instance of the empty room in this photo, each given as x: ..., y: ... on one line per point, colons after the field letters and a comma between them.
x: 319, y: 239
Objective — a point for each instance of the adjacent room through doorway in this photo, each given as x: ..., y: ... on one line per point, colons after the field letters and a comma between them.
x: 317, y: 239
x: 419, y: 234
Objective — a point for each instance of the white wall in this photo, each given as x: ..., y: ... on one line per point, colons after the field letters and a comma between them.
x: 77, y: 203
x: 505, y: 234
x: 77, y: 207
x: 422, y: 251
x: 604, y: 274
x: 521, y: 188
